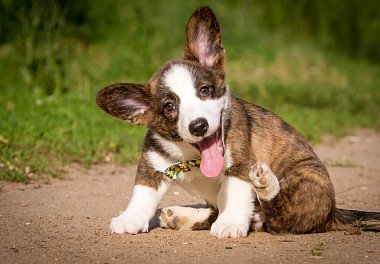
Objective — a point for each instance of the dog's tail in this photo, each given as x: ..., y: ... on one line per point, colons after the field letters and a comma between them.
x: 365, y: 221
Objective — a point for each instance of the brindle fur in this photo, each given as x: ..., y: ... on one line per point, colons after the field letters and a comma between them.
x: 306, y: 201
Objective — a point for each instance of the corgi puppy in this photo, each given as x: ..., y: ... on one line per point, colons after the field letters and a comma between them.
x: 254, y: 170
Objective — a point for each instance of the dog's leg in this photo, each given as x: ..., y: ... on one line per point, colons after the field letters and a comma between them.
x: 140, y: 210
x: 258, y: 217
x: 266, y: 186
x: 305, y: 202
x: 235, y: 205
x: 264, y: 182
x: 187, y: 218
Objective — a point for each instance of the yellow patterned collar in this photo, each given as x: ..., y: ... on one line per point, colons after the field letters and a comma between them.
x: 175, y: 169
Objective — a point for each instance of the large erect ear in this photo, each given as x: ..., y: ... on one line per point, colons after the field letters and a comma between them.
x: 126, y: 101
x: 203, y: 39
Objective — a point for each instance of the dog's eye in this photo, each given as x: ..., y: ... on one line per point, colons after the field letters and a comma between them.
x: 204, y: 91
x: 169, y: 106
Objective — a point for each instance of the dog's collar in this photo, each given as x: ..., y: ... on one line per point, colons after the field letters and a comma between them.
x: 175, y: 169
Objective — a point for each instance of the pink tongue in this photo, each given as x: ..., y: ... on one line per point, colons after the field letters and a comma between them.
x: 212, y: 157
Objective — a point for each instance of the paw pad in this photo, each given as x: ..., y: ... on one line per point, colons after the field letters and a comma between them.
x: 264, y: 182
x: 259, y: 175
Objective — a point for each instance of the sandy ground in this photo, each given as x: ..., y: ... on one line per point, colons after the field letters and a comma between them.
x: 67, y: 221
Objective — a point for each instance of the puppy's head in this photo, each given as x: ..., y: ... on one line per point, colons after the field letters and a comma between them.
x: 185, y: 98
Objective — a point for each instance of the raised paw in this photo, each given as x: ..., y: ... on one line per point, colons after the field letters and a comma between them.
x: 129, y: 223
x: 264, y: 182
x: 224, y: 230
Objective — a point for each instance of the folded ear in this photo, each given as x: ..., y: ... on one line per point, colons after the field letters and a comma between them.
x: 203, y: 39
x: 126, y: 101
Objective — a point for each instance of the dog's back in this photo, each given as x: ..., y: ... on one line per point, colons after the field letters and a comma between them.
x: 304, y: 180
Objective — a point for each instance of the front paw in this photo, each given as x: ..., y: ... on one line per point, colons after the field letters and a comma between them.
x: 129, y: 223
x: 223, y: 230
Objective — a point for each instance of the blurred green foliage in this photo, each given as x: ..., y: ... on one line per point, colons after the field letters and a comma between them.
x: 348, y: 26
x: 40, y: 31
x: 55, y: 55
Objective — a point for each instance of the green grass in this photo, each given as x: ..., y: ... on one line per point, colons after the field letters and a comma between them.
x: 44, y: 134
x: 49, y: 119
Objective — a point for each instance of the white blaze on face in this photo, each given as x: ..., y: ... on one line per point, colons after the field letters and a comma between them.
x: 180, y: 81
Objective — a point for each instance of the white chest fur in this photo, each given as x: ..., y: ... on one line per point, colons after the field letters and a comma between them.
x: 198, y: 185
x: 193, y: 181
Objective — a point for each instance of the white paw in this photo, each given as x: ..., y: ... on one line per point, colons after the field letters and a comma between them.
x: 264, y: 182
x: 223, y: 230
x: 129, y: 223
x: 168, y: 217
x: 184, y: 218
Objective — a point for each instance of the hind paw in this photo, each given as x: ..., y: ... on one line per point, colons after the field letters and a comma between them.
x: 264, y: 182
x: 184, y: 218
x: 170, y: 219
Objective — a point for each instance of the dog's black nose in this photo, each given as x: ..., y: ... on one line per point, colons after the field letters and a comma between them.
x: 198, y: 127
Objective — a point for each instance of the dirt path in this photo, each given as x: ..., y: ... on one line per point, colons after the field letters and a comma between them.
x: 67, y: 221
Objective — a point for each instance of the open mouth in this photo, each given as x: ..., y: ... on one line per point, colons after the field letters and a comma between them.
x: 212, y: 152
